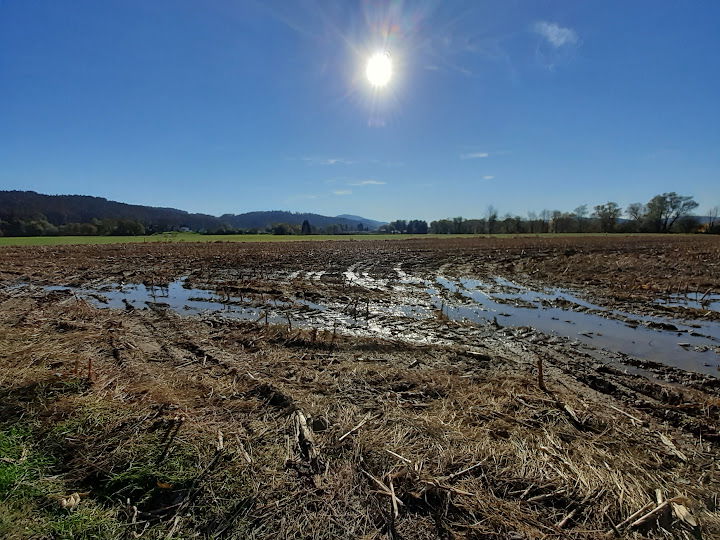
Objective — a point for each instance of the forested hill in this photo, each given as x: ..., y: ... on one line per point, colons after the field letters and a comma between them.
x: 251, y: 220
x: 64, y: 209
x: 18, y: 209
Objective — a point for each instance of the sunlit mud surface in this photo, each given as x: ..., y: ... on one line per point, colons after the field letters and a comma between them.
x: 503, y: 388
x: 415, y: 308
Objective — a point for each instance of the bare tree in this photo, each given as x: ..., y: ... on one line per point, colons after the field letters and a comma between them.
x: 664, y: 210
x: 545, y: 217
x: 608, y: 215
x: 532, y: 221
x: 581, y: 212
x: 713, y: 217
x: 491, y: 217
x: 636, y: 213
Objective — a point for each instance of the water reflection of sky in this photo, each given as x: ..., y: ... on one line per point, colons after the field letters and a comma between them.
x: 552, y: 311
x: 632, y: 337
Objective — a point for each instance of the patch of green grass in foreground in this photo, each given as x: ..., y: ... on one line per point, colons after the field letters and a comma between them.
x: 195, y: 237
x: 109, y: 455
x: 20, y: 465
x: 30, y: 494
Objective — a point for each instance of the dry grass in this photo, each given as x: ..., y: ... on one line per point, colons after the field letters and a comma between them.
x: 177, y: 427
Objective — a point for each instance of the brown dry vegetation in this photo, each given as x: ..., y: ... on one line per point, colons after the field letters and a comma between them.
x: 622, y: 263
x: 625, y: 269
x: 169, y: 426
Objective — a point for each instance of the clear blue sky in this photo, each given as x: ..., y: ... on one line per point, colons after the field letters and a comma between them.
x: 230, y: 106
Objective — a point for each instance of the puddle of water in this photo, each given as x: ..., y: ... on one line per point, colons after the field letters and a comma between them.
x: 174, y: 295
x: 689, y: 348
x: 363, y: 279
x: 411, y: 314
x: 707, y: 302
x: 569, y: 302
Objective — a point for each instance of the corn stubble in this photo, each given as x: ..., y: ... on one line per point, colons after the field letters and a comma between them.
x: 163, y: 426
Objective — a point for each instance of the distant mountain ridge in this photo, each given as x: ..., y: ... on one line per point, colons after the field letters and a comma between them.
x: 370, y: 223
x: 64, y: 209
x: 250, y: 220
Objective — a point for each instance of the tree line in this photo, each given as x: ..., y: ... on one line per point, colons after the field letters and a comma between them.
x: 664, y: 213
x: 291, y: 229
x: 40, y: 226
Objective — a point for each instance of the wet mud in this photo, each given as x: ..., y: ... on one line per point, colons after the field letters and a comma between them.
x: 480, y: 348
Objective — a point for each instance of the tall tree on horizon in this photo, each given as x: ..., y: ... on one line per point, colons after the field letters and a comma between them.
x: 664, y: 210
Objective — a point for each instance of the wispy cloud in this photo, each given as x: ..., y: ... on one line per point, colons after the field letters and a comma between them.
x: 367, y: 183
x: 474, y: 155
x: 556, y: 35
x: 488, y: 177
x: 328, y: 161
x: 447, y: 50
x: 342, y: 192
x: 321, y: 160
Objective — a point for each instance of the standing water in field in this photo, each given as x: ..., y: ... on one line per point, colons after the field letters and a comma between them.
x: 417, y: 304
x: 691, y: 346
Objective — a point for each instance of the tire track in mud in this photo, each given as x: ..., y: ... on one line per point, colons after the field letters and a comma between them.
x: 586, y: 365
x: 341, y: 285
x: 360, y: 302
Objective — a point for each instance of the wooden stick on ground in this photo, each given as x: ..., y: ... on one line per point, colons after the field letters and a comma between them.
x: 406, y: 460
x: 464, y: 471
x: 656, y: 511
x: 353, y: 430
x: 394, y: 499
x: 631, y: 517
x: 385, y: 490
x: 641, y: 422
x: 564, y: 521
x: 541, y: 380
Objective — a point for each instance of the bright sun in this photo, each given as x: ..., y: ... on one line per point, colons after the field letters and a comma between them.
x: 379, y: 69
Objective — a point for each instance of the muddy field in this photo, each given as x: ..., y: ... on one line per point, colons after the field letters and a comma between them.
x: 462, y: 388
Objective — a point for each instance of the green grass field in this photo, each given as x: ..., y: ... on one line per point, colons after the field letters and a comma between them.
x: 194, y: 237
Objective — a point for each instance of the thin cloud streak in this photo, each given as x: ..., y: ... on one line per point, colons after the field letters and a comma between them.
x: 474, y: 155
x: 367, y: 183
x: 328, y: 161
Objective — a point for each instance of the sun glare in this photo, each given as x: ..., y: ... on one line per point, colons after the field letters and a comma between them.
x: 379, y: 69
